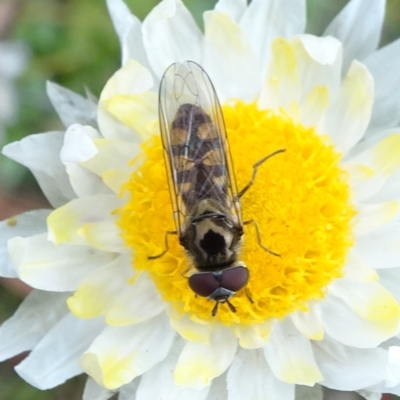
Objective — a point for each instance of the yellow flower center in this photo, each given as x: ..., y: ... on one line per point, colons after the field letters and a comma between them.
x: 300, y: 201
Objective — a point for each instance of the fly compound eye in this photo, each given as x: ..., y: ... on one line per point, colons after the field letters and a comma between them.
x: 235, y: 278
x: 204, y: 284
x: 221, y: 284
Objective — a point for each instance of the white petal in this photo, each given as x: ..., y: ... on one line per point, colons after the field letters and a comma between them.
x: 120, y: 16
x: 349, y: 113
x: 393, y: 378
x: 348, y: 368
x: 109, y: 292
x: 199, y: 363
x: 322, y: 66
x: 370, y: 140
x: 93, y: 297
x: 323, y: 51
x: 375, y: 170
x: 390, y: 189
x: 263, y: 21
x: 234, y: 8
x: 129, y: 30
x: 170, y: 34
x: 391, y: 383
x: 389, y: 278
x: 368, y: 300
x: 113, y: 162
x: 143, y: 299
x: 24, y: 225
x: 358, y: 28
x: 314, y: 105
x: 165, y: 388
x: 79, y: 147
x: 93, y: 391
x: 33, y: 319
x: 71, y: 107
x: 290, y: 357
x: 139, y: 112
x: 111, y: 127
x: 282, y: 86
x: 88, y: 221
x: 319, y: 61
x: 386, y: 239
x: 92, y: 97
x: 188, y: 329
x: 394, y: 390
x: 249, y: 377
x: 368, y: 311
x: 46, y: 369
x: 356, y: 269
x: 132, y: 78
x: 133, y: 46
x: 112, y: 154
x: 229, y: 58
x: 218, y: 389
x: 309, y: 323
x: 128, y: 391
x: 120, y: 354
x: 364, y: 180
x: 386, y: 109
x: 40, y: 153
x: 372, y: 216
x: 254, y: 336
x: 382, y: 157
x: 43, y: 265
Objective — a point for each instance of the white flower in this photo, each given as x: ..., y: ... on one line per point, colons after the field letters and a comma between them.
x: 325, y: 312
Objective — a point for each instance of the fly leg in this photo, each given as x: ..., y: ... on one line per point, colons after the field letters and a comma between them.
x: 247, y: 293
x: 214, y: 311
x: 254, y: 223
x: 247, y: 187
x: 255, y: 169
x: 167, y: 233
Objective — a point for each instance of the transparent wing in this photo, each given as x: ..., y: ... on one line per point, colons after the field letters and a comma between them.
x: 196, y: 151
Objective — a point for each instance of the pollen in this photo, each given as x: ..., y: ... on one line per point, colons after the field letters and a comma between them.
x: 300, y: 201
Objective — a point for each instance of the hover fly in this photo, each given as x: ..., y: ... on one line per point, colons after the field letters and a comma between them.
x: 202, y: 185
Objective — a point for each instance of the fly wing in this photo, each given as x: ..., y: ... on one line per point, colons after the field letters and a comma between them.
x: 196, y: 151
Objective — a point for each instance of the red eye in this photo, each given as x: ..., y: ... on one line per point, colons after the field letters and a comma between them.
x: 234, y: 278
x: 206, y: 283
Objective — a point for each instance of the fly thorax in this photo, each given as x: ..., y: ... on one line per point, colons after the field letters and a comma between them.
x: 213, y: 243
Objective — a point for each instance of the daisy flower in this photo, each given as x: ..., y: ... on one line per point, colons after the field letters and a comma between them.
x: 325, y: 312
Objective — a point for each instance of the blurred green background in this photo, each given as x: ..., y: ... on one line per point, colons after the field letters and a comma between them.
x: 72, y: 42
